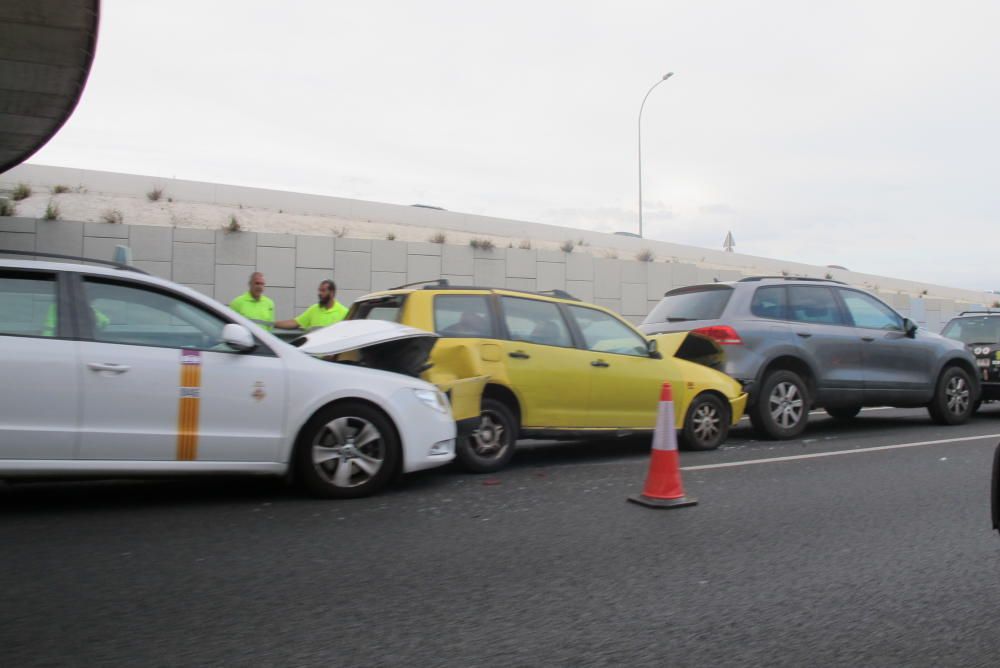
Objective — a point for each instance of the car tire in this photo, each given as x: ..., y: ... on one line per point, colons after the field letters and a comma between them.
x: 843, y: 412
x: 706, y: 423
x: 782, y: 408
x: 952, y: 403
x: 330, y: 462
x: 491, y: 445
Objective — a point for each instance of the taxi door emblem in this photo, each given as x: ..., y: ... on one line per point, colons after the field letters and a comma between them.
x: 258, y: 391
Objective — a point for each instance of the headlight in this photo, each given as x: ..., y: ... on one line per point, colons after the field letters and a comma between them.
x: 433, y: 399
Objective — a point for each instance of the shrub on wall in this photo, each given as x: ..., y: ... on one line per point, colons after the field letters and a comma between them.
x: 51, y: 211
x: 22, y: 191
x: 7, y: 207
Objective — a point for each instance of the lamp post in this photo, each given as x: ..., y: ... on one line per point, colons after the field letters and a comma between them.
x: 665, y: 77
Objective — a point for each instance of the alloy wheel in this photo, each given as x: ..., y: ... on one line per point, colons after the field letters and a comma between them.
x: 786, y: 405
x: 707, y: 423
x: 348, y: 451
x: 958, y: 395
x: 490, y: 439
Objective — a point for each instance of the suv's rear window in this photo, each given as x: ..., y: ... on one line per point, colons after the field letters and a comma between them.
x: 380, y: 308
x: 979, y: 329
x: 703, y: 303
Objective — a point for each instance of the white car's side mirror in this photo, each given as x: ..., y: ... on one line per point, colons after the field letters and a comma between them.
x: 238, y: 338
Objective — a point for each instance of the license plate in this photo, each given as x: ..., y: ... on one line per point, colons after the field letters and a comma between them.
x: 983, y: 363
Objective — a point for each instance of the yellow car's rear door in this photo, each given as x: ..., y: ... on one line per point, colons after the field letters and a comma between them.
x: 549, y: 375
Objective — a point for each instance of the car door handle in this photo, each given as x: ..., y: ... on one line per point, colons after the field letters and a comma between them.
x: 600, y: 363
x: 519, y: 355
x: 804, y: 335
x: 868, y: 339
x: 108, y: 366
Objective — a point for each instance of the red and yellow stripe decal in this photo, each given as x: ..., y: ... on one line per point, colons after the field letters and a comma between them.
x: 187, y: 409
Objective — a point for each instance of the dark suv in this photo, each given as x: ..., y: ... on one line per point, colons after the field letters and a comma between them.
x: 980, y: 332
x: 796, y: 343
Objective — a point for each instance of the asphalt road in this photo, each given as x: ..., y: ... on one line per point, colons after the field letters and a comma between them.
x: 869, y: 558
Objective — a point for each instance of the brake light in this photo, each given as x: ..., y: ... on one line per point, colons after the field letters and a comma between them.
x: 724, y: 335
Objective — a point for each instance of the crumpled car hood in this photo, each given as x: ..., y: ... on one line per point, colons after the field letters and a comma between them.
x: 351, y: 335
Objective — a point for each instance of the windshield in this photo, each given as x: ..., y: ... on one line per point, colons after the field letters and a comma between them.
x: 984, y: 329
x: 700, y: 303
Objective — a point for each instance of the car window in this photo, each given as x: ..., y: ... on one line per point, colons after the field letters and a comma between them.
x: 700, y: 303
x: 870, y: 313
x: 814, y: 305
x: 27, y: 304
x: 770, y: 302
x: 463, y: 316
x: 137, y: 315
x: 606, y: 334
x: 535, y: 322
x: 381, y: 308
x: 979, y: 329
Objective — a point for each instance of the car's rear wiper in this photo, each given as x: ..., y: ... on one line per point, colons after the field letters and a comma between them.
x: 680, y: 319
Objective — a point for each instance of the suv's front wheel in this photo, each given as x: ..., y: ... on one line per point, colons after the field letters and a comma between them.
x: 952, y: 402
x: 782, y: 408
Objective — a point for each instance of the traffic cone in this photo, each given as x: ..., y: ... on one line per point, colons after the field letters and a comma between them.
x: 663, y: 483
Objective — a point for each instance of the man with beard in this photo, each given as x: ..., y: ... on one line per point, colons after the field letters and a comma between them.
x: 325, y: 312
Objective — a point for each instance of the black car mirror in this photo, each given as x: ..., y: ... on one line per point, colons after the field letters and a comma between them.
x: 653, y: 349
x: 909, y: 327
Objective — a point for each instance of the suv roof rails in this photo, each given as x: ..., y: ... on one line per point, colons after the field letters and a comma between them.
x: 561, y: 294
x: 444, y: 284
x: 750, y: 279
x: 438, y: 282
x: 986, y: 312
x: 76, y: 258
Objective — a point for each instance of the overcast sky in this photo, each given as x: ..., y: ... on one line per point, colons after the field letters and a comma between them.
x: 853, y: 133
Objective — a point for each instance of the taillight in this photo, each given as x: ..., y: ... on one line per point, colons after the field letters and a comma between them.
x: 724, y: 335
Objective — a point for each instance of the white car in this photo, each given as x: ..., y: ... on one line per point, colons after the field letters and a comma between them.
x: 107, y: 371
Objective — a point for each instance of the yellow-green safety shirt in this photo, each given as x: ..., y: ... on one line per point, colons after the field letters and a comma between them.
x: 260, y: 310
x: 317, y: 316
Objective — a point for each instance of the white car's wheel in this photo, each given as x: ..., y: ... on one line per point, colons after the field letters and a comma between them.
x: 346, y: 451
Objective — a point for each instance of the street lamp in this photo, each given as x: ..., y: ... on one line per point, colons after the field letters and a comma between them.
x: 665, y: 77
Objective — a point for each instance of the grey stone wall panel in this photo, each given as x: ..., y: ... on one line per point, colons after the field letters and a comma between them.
x: 17, y: 241
x: 579, y: 267
x: 489, y: 273
x: 57, y: 236
x: 457, y: 260
x: 156, y: 268
x: 113, y: 230
x: 423, y: 248
x: 306, y: 282
x: 191, y: 235
x: 551, y: 276
x: 277, y: 264
x: 314, y: 252
x: 275, y: 239
x: 194, y: 263
x: 521, y: 263
x: 388, y: 256
x: 353, y: 271
x: 608, y: 278
x: 634, y: 299
x: 150, y: 242
x: 423, y: 267
x: 15, y: 224
x: 235, y: 247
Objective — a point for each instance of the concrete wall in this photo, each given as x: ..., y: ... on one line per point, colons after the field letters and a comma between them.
x: 218, y: 264
x: 703, y: 260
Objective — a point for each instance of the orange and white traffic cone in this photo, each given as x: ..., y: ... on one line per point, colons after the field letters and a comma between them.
x: 663, y: 483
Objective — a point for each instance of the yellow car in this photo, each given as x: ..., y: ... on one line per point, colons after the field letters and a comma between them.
x: 559, y: 368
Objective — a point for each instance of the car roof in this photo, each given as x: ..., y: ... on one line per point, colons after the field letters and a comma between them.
x: 547, y: 295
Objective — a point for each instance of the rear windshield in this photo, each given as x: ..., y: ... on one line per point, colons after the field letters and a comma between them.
x: 985, y: 329
x: 380, y: 308
x: 701, y: 303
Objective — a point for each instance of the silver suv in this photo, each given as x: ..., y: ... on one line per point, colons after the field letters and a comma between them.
x: 796, y: 343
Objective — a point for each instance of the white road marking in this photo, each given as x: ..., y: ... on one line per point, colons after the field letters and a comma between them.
x: 771, y: 460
